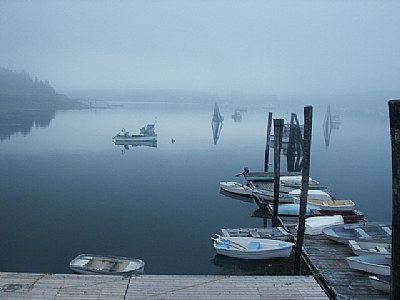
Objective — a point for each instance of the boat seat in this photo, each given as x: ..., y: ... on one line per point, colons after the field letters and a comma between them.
x: 361, y: 233
x: 254, y: 234
x: 254, y: 245
x: 387, y: 230
x: 108, y: 266
x: 382, y: 249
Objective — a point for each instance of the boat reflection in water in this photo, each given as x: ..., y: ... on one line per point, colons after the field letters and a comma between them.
x: 126, y: 144
x: 277, y: 266
x: 236, y: 196
x: 216, y: 123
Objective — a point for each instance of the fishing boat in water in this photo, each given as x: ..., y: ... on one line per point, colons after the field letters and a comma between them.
x: 147, y: 134
x: 93, y: 264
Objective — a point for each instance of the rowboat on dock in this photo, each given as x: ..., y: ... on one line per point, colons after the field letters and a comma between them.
x: 330, y: 204
x: 315, y: 225
x: 252, y: 248
x: 365, y: 248
x: 236, y: 188
x: 375, y: 264
x: 362, y: 231
x: 93, y: 264
x: 287, y: 188
x: 276, y: 233
x: 349, y: 216
x: 294, y: 209
x: 380, y: 282
x: 312, y: 194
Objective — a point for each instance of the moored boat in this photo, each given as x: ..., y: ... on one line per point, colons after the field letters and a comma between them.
x: 349, y: 216
x: 330, y: 204
x: 362, y: 231
x: 315, y: 225
x: 375, y: 264
x: 365, y: 248
x: 236, y: 188
x: 106, y: 265
x: 268, y: 195
x: 146, y: 134
x: 312, y: 194
x: 252, y: 248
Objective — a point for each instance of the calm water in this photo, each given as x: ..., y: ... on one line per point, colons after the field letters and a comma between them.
x: 67, y: 189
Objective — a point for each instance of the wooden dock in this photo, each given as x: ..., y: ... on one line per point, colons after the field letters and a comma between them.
x: 327, y: 260
x: 73, y: 287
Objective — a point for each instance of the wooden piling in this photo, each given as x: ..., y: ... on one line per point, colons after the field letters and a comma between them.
x: 394, y: 113
x: 304, y: 186
x: 267, y: 144
x: 278, y: 126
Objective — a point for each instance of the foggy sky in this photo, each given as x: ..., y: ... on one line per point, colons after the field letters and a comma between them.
x: 269, y: 46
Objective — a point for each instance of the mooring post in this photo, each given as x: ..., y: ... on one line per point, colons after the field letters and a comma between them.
x: 394, y: 114
x: 266, y: 157
x: 278, y: 126
x: 304, y: 187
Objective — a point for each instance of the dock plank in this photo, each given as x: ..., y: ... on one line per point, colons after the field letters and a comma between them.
x: 76, y: 287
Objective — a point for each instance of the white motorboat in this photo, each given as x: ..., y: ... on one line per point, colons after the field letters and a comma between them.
x: 374, y: 263
x: 252, y: 248
x: 365, y: 248
x: 362, y: 231
x: 147, y: 134
x: 106, y: 265
x: 380, y: 282
x: 236, y: 188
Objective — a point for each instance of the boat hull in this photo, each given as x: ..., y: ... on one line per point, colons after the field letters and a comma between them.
x: 236, y: 188
x: 375, y: 264
x: 269, y: 249
x: 93, y: 264
x: 380, y: 282
x: 134, y: 138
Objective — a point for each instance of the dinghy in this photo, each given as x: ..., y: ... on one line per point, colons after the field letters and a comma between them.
x: 106, y: 265
x: 315, y: 225
x: 365, y: 248
x: 380, y: 282
x: 375, y: 264
x: 349, y: 216
x: 312, y: 194
x: 251, y: 248
x: 363, y: 231
x: 236, y: 188
x: 330, y: 204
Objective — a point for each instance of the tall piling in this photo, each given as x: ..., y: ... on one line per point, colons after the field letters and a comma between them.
x: 278, y: 126
x: 267, y: 144
x: 304, y: 186
x: 394, y: 114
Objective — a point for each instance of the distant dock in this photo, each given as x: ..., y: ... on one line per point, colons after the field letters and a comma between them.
x: 73, y: 287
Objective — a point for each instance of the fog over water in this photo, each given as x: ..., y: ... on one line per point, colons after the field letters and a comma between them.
x: 276, y: 47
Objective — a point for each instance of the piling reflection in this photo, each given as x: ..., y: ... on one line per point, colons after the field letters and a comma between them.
x: 331, y: 122
x: 216, y: 123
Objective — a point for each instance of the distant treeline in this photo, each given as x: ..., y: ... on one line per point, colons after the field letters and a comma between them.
x: 19, y: 91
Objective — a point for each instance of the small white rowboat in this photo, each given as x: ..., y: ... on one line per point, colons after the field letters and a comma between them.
x: 236, y: 188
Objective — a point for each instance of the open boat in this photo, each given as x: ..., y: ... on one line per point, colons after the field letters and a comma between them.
x: 349, y: 216
x: 380, y: 282
x: 146, y: 134
x: 312, y: 194
x: 329, y: 204
x: 365, y: 248
x: 252, y: 248
x: 375, y: 264
x: 106, y: 265
x: 236, y: 188
x: 362, y: 231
